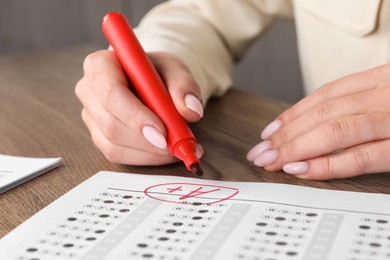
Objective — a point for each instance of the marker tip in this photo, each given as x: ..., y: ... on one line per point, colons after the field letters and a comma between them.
x: 195, y: 168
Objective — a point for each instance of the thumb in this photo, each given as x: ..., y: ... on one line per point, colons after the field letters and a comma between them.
x: 183, y: 88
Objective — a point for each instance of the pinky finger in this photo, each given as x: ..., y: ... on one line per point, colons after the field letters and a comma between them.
x: 362, y: 159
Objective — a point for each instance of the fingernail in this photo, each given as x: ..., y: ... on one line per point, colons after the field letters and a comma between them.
x: 258, y: 149
x: 296, y: 167
x: 154, y: 137
x: 194, y: 104
x: 271, y: 129
x: 266, y: 158
x: 199, y: 151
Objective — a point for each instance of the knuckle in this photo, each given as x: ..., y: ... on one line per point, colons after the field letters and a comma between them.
x: 335, y: 131
x: 321, y: 113
x: 110, y: 128
x: 288, y: 150
x: 133, y: 119
x: 78, y: 87
x: 92, y: 59
x: 360, y: 158
x: 89, y: 61
x: 288, y: 114
x: 84, y: 115
x: 280, y: 137
x: 325, y: 168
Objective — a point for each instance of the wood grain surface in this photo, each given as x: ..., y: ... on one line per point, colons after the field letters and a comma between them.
x: 40, y: 117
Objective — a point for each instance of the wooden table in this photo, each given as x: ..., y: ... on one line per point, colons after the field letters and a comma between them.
x: 40, y: 117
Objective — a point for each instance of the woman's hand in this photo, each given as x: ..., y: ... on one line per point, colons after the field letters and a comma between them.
x: 123, y: 129
x: 339, y: 131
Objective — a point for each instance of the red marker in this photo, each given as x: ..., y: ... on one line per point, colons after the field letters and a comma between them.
x: 151, y: 89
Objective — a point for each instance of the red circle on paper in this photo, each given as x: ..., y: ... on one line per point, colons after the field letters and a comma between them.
x: 231, y: 192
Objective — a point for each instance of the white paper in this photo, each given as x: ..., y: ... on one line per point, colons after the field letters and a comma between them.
x: 120, y: 216
x: 17, y: 170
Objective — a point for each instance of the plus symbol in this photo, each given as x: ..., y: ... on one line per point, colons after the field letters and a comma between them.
x: 175, y: 189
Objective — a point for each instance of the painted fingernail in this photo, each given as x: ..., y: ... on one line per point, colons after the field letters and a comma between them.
x: 258, y: 149
x: 194, y: 104
x: 266, y: 158
x: 199, y: 151
x: 296, y: 167
x: 271, y: 129
x: 154, y: 137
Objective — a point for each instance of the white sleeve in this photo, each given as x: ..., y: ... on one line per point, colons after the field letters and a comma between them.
x: 208, y: 35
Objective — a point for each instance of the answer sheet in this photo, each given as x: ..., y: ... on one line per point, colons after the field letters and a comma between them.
x: 16, y: 170
x: 121, y: 216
